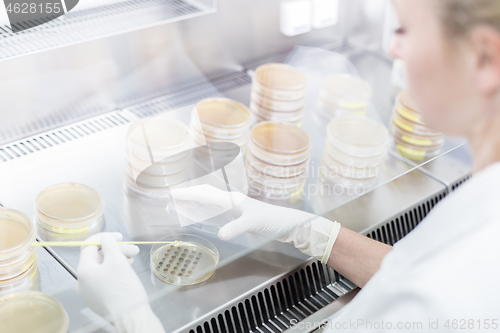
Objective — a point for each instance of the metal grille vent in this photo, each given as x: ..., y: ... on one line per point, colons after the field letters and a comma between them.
x: 190, y: 95
x: 459, y: 183
x: 82, y: 25
x: 60, y: 136
x: 396, y: 229
x: 303, y: 292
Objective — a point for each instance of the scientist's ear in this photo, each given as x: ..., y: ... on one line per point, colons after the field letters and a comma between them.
x: 486, y: 48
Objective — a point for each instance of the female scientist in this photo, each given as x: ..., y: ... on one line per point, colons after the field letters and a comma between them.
x: 448, y: 268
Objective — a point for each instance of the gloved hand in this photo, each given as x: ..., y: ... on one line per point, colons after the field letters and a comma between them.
x: 110, y: 287
x: 311, y: 234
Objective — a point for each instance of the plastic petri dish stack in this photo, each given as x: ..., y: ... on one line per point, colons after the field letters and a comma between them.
x: 278, y: 94
x: 413, y: 139
x: 18, y: 258
x: 277, y: 160
x: 158, y: 156
x: 343, y: 94
x: 222, y: 120
x: 189, y: 259
x: 68, y: 211
x: 30, y: 312
x: 355, y: 148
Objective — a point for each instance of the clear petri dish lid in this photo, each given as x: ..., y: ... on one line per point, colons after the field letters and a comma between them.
x: 24, y: 282
x: 17, y: 232
x: 222, y: 113
x: 159, y: 134
x: 357, y: 130
x: 345, y: 90
x: 190, y: 261
x: 280, y: 138
x: 280, y: 76
x: 69, y: 203
x: 30, y: 312
x: 275, y: 105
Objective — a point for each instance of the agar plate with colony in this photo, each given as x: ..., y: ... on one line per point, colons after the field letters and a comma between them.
x: 190, y: 260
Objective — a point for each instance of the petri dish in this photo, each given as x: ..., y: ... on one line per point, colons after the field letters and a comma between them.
x: 276, y: 170
x: 278, y: 94
x: 354, y: 161
x: 347, y: 171
x: 164, y: 137
x: 257, y: 190
x: 275, y: 105
x: 69, y: 211
x: 339, y: 111
x: 281, y: 138
x: 279, y: 147
x: 30, y: 312
x: 16, y: 235
x: 203, y: 139
x: 280, y: 76
x: 268, y: 113
x: 357, y: 186
x: 28, y: 280
x: 192, y: 260
x: 270, y: 181
x: 357, y: 136
x: 417, y: 153
x: 222, y: 113
x: 295, y: 122
x: 414, y: 139
x: 412, y: 127
x: 171, y: 165
x: 345, y: 91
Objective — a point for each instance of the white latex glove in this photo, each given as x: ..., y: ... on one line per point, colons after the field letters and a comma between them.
x: 110, y: 287
x: 311, y: 234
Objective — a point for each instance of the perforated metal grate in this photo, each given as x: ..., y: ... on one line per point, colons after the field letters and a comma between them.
x: 294, y: 297
x: 399, y: 227
x: 190, y: 95
x: 79, y: 26
x: 459, y: 183
x: 60, y: 136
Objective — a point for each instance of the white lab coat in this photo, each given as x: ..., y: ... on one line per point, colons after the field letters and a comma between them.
x: 447, y: 268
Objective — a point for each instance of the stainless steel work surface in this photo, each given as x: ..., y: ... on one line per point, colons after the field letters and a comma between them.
x: 57, y: 282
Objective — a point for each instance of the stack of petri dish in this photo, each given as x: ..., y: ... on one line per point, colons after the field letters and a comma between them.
x: 186, y: 260
x: 18, y: 258
x: 413, y: 139
x: 222, y: 120
x: 278, y: 94
x: 277, y: 160
x: 342, y: 94
x: 356, y: 146
x: 68, y: 211
x: 31, y: 311
x: 158, y: 153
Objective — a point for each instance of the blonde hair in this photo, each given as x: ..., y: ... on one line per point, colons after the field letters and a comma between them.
x: 460, y: 16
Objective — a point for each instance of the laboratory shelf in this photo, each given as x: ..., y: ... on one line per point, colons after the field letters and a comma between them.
x: 98, y: 20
